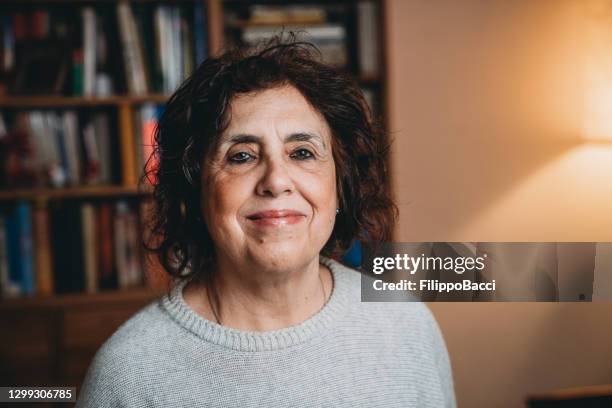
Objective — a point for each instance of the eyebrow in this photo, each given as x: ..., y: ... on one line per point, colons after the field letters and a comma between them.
x: 294, y: 137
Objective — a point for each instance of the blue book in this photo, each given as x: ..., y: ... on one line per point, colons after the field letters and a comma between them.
x: 24, y: 215
x: 353, y: 256
x: 199, y: 32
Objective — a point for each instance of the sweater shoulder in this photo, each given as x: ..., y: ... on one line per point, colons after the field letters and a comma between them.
x: 115, y: 368
x: 412, y: 317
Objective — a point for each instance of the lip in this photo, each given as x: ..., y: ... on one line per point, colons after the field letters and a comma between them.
x: 276, y: 217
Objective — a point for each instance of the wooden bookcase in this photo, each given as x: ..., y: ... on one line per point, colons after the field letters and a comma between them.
x: 51, y: 339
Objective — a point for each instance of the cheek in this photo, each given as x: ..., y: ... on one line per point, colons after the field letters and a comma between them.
x: 320, y: 191
x: 223, y: 200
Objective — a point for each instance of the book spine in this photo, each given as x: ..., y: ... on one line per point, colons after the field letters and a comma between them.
x: 8, y: 289
x: 107, y: 278
x: 43, y: 258
x: 89, y: 247
x: 77, y: 72
x: 71, y: 136
x: 148, y: 118
x: 52, y: 146
x: 199, y: 33
x: 134, y: 258
x: 128, y: 46
x: 121, y: 247
x: 103, y: 143
x: 8, y: 42
x: 89, y: 50
x: 186, y: 47
x: 13, y: 249
x: 92, y: 155
x: 26, y: 248
x: 367, y: 23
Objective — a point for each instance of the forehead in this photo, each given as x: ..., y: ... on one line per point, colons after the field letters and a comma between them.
x: 283, y: 110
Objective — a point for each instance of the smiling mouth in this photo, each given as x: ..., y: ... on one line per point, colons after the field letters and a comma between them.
x: 276, y: 218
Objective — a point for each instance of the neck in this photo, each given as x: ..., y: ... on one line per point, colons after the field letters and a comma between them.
x: 261, y: 299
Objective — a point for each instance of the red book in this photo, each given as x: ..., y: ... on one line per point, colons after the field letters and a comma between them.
x: 20, y: 27
x: 105, y: 240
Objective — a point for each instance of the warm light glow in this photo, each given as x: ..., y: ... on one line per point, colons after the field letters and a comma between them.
x: 597, y: 121
x: 569, y: 199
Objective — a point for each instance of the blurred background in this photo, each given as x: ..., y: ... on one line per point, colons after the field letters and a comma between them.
x: 498, y: 113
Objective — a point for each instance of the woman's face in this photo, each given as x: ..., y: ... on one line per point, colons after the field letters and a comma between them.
x: 269, y: 196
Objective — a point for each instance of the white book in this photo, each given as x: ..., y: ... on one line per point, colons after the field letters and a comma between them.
x: 132, y: 56
x: 368, y: 37
x: 161, y: 40
x: 71, y: 138
x: 88, y: 16
x: 54, y: 139
x: 36, y: 124
x: 325, y: 33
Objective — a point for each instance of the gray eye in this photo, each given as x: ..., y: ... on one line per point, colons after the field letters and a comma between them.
x: 302, y: 154
x: 240, y: 157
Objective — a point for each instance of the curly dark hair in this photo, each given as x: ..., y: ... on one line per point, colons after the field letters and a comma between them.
x: 198, y: 112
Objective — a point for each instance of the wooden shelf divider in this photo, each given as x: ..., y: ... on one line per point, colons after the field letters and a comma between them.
x: 44, y: 101
x: 79, y: 299
x: 75, y: 192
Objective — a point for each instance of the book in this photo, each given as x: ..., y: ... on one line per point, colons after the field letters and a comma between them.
x: 330, y: 39
x: 126, y: 246
x: 103, y: 142
x: 70, y: 126
x: 8, y: 44
x: 5, y: 283
x: 13, y: 250
x: 26, y: 247
x: 199, y: 32
x: 18, y: 223
x: 66, y: 244
x: 57, y: 152
x: 107, y: 275
x: 9, y: 283
x: 368, y: 37
x: 43, y: 255
x: 89, y: 247
x: 295, y: 14
x: 91, y: 154
x: 149, y: 114
x: 133, y: 58
x: 88, y: 16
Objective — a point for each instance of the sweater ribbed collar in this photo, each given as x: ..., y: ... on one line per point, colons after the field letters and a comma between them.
x: 243, y: 340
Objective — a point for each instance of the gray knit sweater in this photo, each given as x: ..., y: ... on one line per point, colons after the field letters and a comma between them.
x: 349, y: 354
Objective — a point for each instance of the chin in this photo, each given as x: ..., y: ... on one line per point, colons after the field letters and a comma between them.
x: 283, y: 256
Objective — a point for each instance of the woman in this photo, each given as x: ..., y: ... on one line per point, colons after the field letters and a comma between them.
x: 269, y: 166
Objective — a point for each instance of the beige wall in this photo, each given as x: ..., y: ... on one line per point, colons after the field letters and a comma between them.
x: 499, y: 135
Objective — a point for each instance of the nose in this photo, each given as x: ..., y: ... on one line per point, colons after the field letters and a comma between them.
x: 276, y: 179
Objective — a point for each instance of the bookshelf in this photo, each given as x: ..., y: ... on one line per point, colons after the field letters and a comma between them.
x: 110, y: 95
